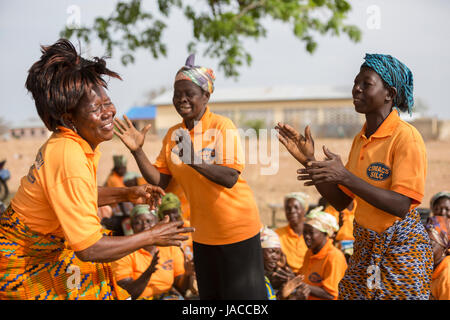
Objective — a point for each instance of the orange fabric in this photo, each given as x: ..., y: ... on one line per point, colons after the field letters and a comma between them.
x: 170, y: 266
x: 114, y: 180
x: 59, y: 194
x: 219, y: 215
x: 393, y: 158
x: 140, y: 181
x: 176, y: 189
x: 346, y: 230
x: 324, y: 269
x: 440, y: 282
x: 293, y: 246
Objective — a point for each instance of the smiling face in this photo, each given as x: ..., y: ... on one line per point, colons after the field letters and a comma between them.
x: 314, y: 238
x: 441, y: 207
x: 174, y: 214
x: 295, y: 213
x: 93, y: 118
x: 369, y: 92
x: 143, y: 222
x: 271, y: 257
x: 189, y: 100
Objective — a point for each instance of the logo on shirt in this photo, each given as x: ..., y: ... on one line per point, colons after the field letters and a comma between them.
x: 315, y: 277
x: 167, y: 265
x: 378, y: 171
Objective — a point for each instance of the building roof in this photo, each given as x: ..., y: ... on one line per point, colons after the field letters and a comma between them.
x: 144, y: 112
x: 270, y: 93
x: 28, y: 123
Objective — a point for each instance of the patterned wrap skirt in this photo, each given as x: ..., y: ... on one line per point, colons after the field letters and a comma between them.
x: 394, y: 265
x: 39, y: 267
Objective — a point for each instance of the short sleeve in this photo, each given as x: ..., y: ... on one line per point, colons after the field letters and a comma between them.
x: 409, y: 169
x: 123, y: 268
x: 161, y: 160
x: 334, y: 271
x: 74, y: 202
x: 178, y: 262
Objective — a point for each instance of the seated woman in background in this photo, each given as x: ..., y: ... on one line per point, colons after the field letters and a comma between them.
x: 440, y: 209
x: 440, y: 285
x: 281, y: 282
x: 152, y: 272
x: 344, y: 238
x: 291, y: 236
x: 324, y: 264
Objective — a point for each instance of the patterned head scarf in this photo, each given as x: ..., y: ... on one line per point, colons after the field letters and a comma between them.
x: 119, y: 161
x: 201, y: 76
x: 437, y: 196
x: 169, y: 201
x: 395, y: 74
x: 269, y: 238
x: 141, y: 209
x: 300, y: 197
x: 322, y: 221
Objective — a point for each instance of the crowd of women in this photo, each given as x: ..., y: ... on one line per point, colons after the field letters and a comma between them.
x: 60, y: 240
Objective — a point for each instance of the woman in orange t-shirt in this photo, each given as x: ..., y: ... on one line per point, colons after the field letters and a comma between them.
x: 203, y: 153
x: 440, y: 285
x: 385, y: 175
x: 53, y: 245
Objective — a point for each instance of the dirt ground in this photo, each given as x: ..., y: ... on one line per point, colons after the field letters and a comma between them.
x: 268, y: 189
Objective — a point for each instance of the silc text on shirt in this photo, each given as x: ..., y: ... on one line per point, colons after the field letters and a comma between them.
x: 378, y: 171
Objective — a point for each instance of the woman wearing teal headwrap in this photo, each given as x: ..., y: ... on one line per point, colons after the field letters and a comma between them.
x: 385, y: 174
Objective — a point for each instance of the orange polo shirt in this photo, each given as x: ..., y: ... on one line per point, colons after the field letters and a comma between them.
x: 176, y: 189
x: 59, y: 194
x: 293, y: 246
x: 170, y: 265
x: 440, y: 281
x: 114, y: 180
x: 219, y: 215
x: 393, y: 158
x: 346, y: 230
x: 324, y: 269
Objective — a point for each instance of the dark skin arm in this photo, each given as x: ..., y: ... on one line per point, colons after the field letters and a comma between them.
x: 326, y: 175
x: 333, y: 171
x: 182, y: 282
x: 110, y: 248
x: 319, y: 292
x: 136, y: 287
x: 145, y: 194
x: 134, y: 140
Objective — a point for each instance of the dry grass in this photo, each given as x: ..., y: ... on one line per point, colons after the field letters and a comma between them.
x: 268, y: 189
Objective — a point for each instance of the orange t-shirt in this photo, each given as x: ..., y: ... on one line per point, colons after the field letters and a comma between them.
x: 115, y: 181
x: 219, y: 215
x: 170, y: 265
x: 176, y: 189
x: 59, y: 194
x: 324, y: 269
x: 293, y: 246
x: 346, y: 230
x: 440, y: 281
x: 393, y: 158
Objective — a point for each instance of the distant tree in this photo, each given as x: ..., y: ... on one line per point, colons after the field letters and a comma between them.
x: 220, y: 25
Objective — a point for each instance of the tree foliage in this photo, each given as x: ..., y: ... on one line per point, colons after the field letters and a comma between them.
x: 220, y: 26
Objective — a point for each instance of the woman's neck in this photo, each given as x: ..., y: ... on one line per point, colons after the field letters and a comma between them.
x: 374, y: 120
x: 318, y: 248
x: 190, y: 123
x: 297, y: 228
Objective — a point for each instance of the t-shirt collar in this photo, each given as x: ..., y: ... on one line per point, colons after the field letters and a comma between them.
x: 324, y: 251
x: 68, y: 133
x: 205, y: 121
x: 386, y: 128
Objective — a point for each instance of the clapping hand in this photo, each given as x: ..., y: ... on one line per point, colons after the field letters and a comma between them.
x: 299, y: 146
x: 130, y: 136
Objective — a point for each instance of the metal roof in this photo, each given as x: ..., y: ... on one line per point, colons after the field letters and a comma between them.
x: 144, y: 112
x: 270, y: 93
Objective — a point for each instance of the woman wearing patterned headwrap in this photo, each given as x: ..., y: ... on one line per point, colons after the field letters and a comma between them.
x: 385, y: 175
x: 324, y: 264
x: 291, y: 236
x: 227, y: 249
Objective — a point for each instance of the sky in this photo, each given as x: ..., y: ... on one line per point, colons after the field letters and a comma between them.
x: 414, y: 31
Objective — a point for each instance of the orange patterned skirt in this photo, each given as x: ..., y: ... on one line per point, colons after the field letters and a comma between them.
x: 396, y: 264
x: 39, y: 267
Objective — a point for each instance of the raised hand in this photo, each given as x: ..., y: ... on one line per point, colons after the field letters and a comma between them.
x: 130, y: 136
x: 331, y: 170
x: 166, y: 233
x: 146, y: 194
x: 299, y: 146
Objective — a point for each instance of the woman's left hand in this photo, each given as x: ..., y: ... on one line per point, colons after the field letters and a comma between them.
x: 146, y: 194
x: 331, y: 170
